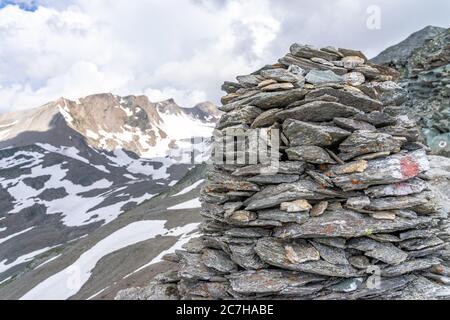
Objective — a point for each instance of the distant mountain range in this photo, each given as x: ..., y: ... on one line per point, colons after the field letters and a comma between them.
x: 69, y: 167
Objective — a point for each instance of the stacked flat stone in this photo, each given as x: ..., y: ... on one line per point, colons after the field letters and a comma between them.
x: 346, y: 216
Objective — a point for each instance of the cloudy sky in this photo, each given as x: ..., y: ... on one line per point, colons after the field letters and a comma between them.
x: 182, y: 49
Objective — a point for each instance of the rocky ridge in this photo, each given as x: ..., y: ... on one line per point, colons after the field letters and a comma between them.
x: 346, y: 214
x: 423, y: 60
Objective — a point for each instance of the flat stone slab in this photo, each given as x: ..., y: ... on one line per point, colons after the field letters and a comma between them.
x: 344, y: 223
x: 302, y: 133
x: 317, y: 111
x: 392, y: 169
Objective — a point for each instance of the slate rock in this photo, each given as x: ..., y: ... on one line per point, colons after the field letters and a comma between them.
x: 323, y: 76
x: 317, y: 111
x: 331, y: 254
x: 302, y: 133
x: 248, y: 232
x: 218, y: 260
x: 353, y: 125
x: 386, y: 252
x: 268, y: 100
x: 310, y: 154
x: 405, y: 188
x: 359, y: 262
x: 400, y: 202
x: 320, y: 178
x: 282, y: 216
x: 281, y: 75
x: 274, y: 179
x: 396, y: 168
x: 246, y: 257
x: 272, y: 196
x: 407, y: 267
x: 283, y: 167
x: 265, y: 119
x: 346, y: 224
x: 269, y: 281
x: 349, y: 97
x: 362, y: 142
x: 244, y: 115
x: 376, y: 118
x: 306, y: 51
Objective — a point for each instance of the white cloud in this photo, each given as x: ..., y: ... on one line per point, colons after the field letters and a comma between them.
x: 177, y: 48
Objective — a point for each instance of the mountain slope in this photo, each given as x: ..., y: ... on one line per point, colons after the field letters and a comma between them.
x: 126, y: 252
x: 402, y: 51
x: 69, y: 167
x: 423, y: 61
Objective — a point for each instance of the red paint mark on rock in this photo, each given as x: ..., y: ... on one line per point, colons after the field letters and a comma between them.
x: 408, y: 167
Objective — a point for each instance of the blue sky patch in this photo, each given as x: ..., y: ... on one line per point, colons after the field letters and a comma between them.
x: 28, y: 5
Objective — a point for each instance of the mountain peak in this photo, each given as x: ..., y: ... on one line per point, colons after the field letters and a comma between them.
x: 404, y: 49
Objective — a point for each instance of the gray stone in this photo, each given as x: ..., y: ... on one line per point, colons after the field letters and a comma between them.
x: 244, y: 115
x: 269, y: 100
x: 269, y: 281
x: 419, y: 244
x: 302, y: 133
x: 359, y: 262
x: 358, y: 202
x: 272, y: 196
x: 330, y: 254
x: 266, y: 119
x: 310, y: 154
x: 248, y: 232
x: 246, y: 257
x: 392, y: 169
x: 348, y: 285
x: 274, y: 179
x: 284, y: 167
x: 353, y: 125
x: 346, y: 224
x: 249, y: 80
x: 376, y: 118
x: 317, y: 111
x: 218, y: 260
x: 308, y: 65
x: 283, y: 216
x: 353, y: 98
x: 405, y: 188
x: 320, y: 178
x: 192, y: 267
x: 386, y: 252
x: 323, y: 76
x: 417, y: 234
x: 332, y: 242
x: 306, y: 51
x: 363, y: 142
x: 400, y: 202
x: 407, y: 267
x: 281, y: 75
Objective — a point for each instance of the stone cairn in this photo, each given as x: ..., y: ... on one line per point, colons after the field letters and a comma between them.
x: 344, y: 214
